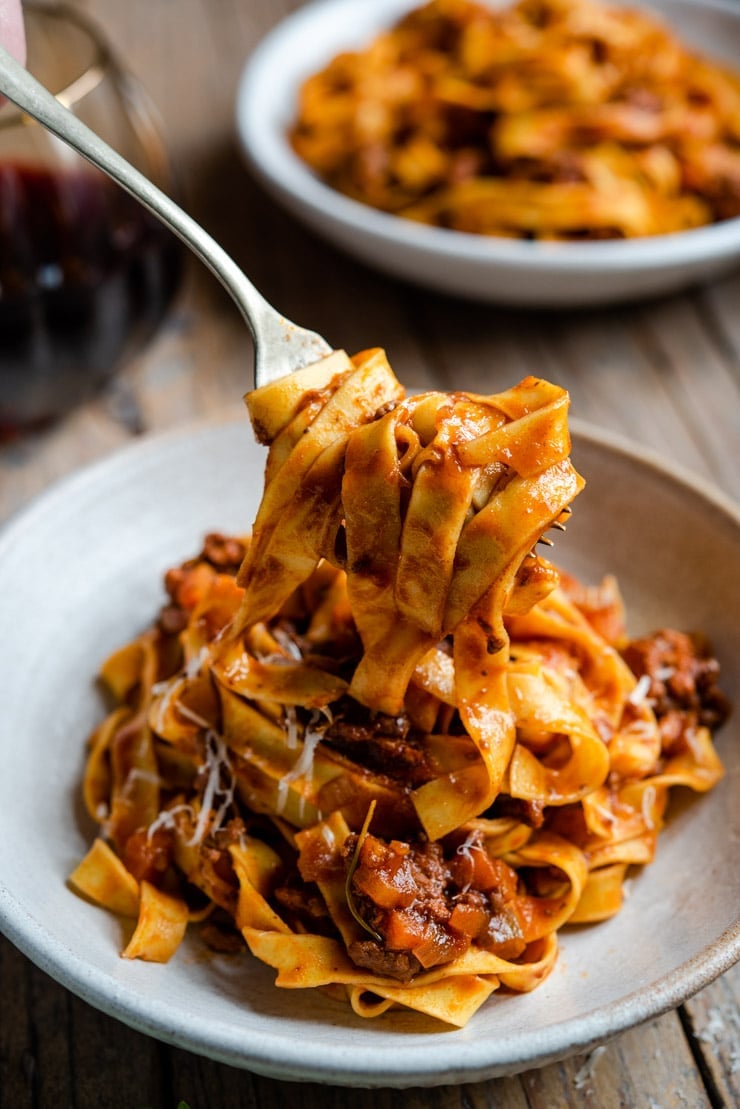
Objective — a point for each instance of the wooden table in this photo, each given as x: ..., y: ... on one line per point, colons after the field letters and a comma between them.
x: 666, y: 374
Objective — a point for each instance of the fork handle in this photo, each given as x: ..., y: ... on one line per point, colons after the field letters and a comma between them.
x: 268, y: 327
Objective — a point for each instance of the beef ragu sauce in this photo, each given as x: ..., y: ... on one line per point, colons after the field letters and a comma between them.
x: 428, y: 901
x: 86, y: 274
x: 421, y: 903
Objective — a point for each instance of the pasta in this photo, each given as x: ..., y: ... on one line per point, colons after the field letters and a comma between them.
x: 545, y: 119
x: 382, y: 741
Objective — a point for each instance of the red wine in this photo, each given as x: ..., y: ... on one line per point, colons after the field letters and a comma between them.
x: 86, y: 274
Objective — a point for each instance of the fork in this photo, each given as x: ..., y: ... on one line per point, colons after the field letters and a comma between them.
x: 280, y: 346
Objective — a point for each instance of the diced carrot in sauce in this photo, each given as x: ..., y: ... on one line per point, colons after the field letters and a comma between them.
x: 473, y: 868
x: 439, y: 946
x: 404, y: 930
x: 469, y: 919
x: 384, y: 874
x: 189, y: 586
x: 503, y: 936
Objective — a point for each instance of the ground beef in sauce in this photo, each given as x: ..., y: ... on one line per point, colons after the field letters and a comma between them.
x: 383, y: 744
x: 148, y: 856
x: 531, y: 813
x: 683, y: 686
x: 303, y: 906
x: 224, y: 552
x: 427, y: 902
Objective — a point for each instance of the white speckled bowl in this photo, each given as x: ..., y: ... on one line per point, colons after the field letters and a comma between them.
x: 81, y: 572
x: 489, y: 269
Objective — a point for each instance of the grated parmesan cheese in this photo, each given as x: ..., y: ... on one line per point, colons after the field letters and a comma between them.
x: 288, y: 644
x: 166, y: 819
x: 169, y: 688
x: 639, y: 694
x: 194, y: 665
x: 465, y: 848
x: 217, y: 760
x: 694, y: 744
x: 302, y: 767
x: 604, y: 813
x: 648, y: 800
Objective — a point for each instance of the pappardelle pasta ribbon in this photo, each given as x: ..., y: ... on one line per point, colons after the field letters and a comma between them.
x: 381, y: 741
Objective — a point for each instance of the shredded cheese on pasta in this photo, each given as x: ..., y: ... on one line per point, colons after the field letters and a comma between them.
x: 393, y: 749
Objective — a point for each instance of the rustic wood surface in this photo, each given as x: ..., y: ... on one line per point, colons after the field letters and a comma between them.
x: 679, y: 356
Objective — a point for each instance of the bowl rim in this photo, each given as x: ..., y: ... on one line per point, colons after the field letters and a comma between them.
x: 260, y: 130
x: 274, y: 1055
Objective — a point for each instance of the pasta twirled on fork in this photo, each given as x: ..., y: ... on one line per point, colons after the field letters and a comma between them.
x: 381, y: 740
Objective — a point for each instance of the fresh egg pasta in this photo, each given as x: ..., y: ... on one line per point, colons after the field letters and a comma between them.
x: 382, y: 742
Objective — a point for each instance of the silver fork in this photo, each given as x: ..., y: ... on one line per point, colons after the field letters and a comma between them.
x: 280, y: 346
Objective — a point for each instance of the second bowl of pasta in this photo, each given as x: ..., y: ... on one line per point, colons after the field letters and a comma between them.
x: 559, y: 153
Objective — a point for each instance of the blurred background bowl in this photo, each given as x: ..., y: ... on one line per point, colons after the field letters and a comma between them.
x: 506, y: 271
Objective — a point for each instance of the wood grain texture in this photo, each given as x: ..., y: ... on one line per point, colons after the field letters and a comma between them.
x: 664, y: 374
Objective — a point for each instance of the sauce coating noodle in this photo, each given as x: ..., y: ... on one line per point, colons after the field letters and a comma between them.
x: 381, y: 741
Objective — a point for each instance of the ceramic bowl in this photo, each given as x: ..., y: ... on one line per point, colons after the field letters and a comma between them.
x: 489, y: 269
x: 82, y: 571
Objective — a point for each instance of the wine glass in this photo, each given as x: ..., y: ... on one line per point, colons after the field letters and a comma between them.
x: 86, y: 273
